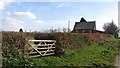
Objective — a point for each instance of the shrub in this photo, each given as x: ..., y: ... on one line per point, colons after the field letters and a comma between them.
x: 44, y: 36
x: 21, y: 30
x: 18, y: 39
x: 13, y: 45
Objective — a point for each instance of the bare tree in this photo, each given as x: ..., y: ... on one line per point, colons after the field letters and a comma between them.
x: 55, y: 30
x: 110, y: 28
x: 64, y: 29
x: 59, y: 29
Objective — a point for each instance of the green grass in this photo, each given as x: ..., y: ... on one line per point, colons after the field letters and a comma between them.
x: 93, y: 55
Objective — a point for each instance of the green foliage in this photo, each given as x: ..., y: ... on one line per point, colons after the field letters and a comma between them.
x: 76, y: 41
x: 111, y: 28
x: 94, y: 55
x: 48, y: 61
x: 71, y: 50
x: 13, y: 44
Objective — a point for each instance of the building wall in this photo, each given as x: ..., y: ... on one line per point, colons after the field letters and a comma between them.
x: 83, y: 31
x: 87, y: 31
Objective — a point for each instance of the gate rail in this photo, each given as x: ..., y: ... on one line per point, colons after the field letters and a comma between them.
x: 41, y: 47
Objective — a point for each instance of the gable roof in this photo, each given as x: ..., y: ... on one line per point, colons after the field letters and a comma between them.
x: 83, y: 24
x: 83, y: 20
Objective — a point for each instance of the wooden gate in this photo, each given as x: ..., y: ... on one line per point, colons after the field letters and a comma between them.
x: 41, y: 48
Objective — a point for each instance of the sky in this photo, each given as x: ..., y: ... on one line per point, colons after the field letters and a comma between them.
x: 43, y: 15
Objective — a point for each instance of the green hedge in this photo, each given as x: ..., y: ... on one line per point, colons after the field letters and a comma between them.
x: 74, y: 48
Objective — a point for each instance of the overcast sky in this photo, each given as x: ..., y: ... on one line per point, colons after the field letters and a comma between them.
x: 40, y: 16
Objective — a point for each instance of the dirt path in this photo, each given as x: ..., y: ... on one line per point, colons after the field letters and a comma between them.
x: 117, y: 63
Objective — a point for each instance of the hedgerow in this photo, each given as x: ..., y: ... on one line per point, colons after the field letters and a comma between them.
x: 72, y: 49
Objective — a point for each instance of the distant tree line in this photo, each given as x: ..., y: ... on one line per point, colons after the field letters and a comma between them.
x: 50, y: 30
